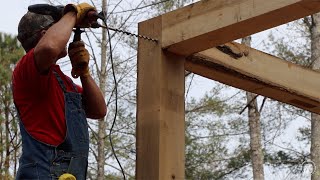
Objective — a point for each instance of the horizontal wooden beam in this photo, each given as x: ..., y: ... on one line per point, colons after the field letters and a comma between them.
x: 209, y: 23
x: 255, y: 71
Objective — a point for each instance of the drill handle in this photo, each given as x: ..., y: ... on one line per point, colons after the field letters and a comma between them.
x: 77, y: 34
x: 93, y: 15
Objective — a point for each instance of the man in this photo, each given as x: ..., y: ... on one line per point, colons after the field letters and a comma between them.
x: 52, y: 109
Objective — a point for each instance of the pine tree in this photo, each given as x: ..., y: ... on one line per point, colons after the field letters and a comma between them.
x: 10, y: 53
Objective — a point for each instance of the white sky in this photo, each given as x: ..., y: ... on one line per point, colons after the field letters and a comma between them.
x: 10, y: 13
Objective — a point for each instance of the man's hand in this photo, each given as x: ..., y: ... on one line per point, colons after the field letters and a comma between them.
x: 82, y: 10
x: 79, y: 57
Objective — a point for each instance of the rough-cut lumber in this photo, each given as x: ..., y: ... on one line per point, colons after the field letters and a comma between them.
x: 160, y: 109
x: 193, y: 29
x: 252, y: 70
x: 209, y: 23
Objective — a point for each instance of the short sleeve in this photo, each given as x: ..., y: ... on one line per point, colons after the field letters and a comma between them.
x: 27, y: 77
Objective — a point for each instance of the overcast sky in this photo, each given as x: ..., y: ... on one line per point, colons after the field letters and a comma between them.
x: 10, y: 13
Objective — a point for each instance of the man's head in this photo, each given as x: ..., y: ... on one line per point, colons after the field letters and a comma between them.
x: 31, y: 28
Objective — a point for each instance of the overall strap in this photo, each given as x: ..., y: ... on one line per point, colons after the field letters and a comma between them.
x: 63, y: 87
x: 73, y: 85
x: 60, y: 81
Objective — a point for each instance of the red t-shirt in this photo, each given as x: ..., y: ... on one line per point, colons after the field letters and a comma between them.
x: 40, y: 100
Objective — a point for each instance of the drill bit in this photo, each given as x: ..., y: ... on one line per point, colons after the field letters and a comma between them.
x: 131, y: 34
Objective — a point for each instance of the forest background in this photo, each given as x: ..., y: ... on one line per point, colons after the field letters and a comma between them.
x: 230, y: 134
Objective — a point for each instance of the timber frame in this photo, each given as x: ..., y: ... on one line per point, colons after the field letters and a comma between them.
x: 198, y: 38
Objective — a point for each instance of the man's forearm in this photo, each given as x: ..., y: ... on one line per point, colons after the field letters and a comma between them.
x: 54, y: 41
x: 93, y: 98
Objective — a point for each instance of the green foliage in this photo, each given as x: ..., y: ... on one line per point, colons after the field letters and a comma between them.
x: 305, y: 134
x: 212, y: 125
x: 10, y: 52
x: 295, y: 161
x: 293, y: 46
x: 297, y: 47
x: 240, y: 160
x: 206, y: 105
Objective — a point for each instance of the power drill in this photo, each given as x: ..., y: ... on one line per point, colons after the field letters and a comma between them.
x: 56, y: 12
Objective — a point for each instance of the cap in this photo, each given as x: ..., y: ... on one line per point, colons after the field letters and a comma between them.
x: 30, y: 23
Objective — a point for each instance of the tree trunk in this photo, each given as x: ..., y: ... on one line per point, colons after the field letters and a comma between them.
x: 9, y: 54
x: 7, y: 144
x: 255, y: 130
x: 1, y: 141
x: 315, y: 118
x: 15, y: 142
x: 15, y: 154
x: 102, y: 124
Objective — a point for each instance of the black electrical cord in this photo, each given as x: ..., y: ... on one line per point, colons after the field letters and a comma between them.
x: 116, y: 98
x: 103, y: 16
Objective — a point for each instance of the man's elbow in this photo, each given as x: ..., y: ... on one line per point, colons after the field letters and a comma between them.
x: 103, y: 112
x: 98, y: 114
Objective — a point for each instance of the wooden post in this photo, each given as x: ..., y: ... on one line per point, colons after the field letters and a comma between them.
x: 160, y: 109
x: 190, y: 30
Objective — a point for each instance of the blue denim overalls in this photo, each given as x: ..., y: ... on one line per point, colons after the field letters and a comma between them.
x: 41, y: 161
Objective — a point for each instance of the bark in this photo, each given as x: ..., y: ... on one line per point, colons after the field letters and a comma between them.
x: 255, y: 131
x: 102, y: 84
x: 15, y: 154
x: 7, y: 144
x: 315, y: 118
x: 9, y: 149
x: 5, y: 148
x: 1, y: 142
x: 1, y: 127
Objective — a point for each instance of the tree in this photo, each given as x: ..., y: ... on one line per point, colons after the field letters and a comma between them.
x: 102, y: 84
x: 205, y: 136
x: 203, y: 150
x: 304, y: 51
x: 255, y: 130
x: 10, y: 52
x: 115, y: 73
x: 315, y: 118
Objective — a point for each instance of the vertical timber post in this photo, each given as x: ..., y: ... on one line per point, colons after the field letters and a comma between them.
x: 160, y: 108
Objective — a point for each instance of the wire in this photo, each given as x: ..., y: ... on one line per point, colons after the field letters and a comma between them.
x: 189, y: 86
x: 104, y: 20
x: 116, y: 99
x: 248, y: 104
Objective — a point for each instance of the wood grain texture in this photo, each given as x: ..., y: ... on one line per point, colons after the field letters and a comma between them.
x: 259, y: 73
x: 160, y: 109
x: 209, y: 23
